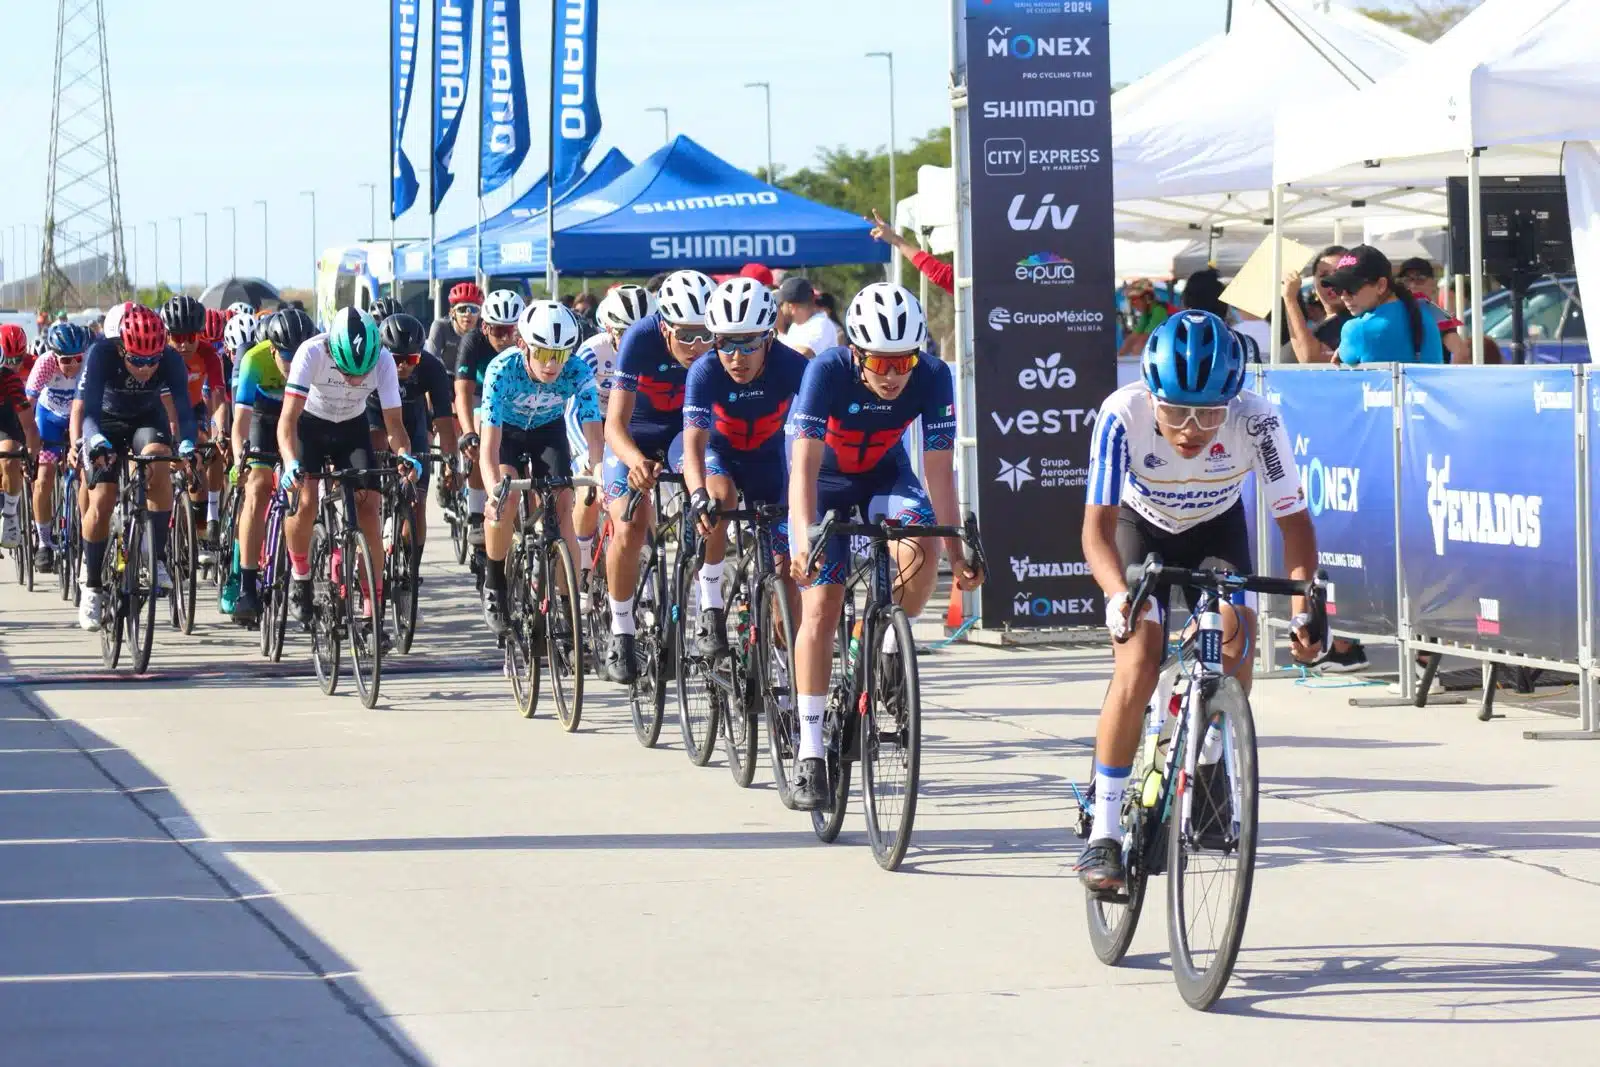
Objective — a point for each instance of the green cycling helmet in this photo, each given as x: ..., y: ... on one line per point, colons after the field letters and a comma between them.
x: 353, y: 342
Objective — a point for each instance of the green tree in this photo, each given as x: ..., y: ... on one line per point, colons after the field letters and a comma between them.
x: 858, y: 182
x: 1426, y: 20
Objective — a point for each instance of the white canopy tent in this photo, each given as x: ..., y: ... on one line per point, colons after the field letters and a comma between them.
x: 1192, y: 142
x: 1498, y: 94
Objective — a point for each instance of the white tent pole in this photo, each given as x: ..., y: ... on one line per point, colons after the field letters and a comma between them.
x: 1275, y: 318
x: 1475, y: 251
x: 1338, y: 231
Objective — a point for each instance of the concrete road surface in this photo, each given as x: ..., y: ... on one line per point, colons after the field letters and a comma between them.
x: 222, y: 866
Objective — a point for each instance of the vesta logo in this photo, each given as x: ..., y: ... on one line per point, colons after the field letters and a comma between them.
x: 1059, y: 218
x: 1026, y: 46
x: 574, y: 118
x: 452, y: 52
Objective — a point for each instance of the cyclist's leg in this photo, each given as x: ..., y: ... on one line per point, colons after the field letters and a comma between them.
x: 820, y: 602
x: 626, y: 545
x: 552, y: 460
x: 314, y: 437
x: 421, y: 439
x: 257, y: 491
x: 916, y: 559
x: 352, y: 450
x: 13, y: 446
x: 197, y: 486
x: 476, y: 495
x: 52, y: 446
x: 155, y: 439
x: 586, y: 512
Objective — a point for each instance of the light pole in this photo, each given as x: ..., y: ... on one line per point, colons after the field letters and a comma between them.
x: 155, y: 258
x: 234, y: 243
x: 666, y: 125
x: 262, y: 204
x: 179, y: 220
x: 134, y: 231
x: 312, y: 193
x: 372, y: 208
x: 205, y: 252
x: 892, y: 201
x: 766, y: 88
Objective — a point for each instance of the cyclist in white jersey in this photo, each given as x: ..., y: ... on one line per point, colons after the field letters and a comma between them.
x: 324, y: 421
x: 622, y: 307
x: 1166, y: 471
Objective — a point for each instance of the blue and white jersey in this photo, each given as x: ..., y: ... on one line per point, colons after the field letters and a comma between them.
x: 1130, y: 463
x: 513, y: 397
x: 601, y: 356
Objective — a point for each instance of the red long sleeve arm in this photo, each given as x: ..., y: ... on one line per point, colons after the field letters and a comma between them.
x: 938, y: 271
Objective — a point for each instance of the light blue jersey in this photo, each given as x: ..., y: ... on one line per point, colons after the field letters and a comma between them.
x: 512, y: 397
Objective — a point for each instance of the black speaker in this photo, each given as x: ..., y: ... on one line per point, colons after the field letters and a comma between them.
x: 1525, y: 226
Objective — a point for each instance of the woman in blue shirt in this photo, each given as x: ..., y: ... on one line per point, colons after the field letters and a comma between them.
x: 1388, y: 326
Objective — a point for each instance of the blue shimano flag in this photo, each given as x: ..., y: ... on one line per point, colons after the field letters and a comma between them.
x: 402, y: 68
x: 504, y: 140
x: 452, y: 45
x: 574, y: 112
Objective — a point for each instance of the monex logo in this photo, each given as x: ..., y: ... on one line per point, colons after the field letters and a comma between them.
x: 1479, y: 517
x: 1026, y: 605
x: 1327, y: 487
x: 1026, y: 46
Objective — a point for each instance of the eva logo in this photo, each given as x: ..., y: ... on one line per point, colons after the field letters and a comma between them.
x: 1047, y: 373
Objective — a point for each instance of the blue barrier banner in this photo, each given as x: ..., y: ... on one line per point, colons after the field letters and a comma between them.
x: 503, y: 141
x: 1341, y: 424
x: 1488, y: 507
x: 452, y: 45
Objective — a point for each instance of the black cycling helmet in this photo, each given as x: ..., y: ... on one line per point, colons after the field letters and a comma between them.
x: 401, y: 334
x: 383, y: 307
x: 184, y: 314
x: 289, y: 328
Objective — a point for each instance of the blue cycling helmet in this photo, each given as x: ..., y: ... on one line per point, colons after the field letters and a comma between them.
x: 1193, y: 358
x: 67, y: 339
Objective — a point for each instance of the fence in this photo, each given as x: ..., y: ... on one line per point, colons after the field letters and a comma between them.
x: 1453, y: 510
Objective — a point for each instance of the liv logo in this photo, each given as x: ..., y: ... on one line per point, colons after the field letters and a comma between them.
x: 1059, y: 218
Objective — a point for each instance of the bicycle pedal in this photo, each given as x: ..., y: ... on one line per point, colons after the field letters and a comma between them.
x: 1112, y: 896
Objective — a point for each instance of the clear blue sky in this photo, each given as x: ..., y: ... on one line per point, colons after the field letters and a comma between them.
x: 226, y: 103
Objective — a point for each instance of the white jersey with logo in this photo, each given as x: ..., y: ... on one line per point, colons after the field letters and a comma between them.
x: 601, y: 355
x: 1130, y: 463
x: 329, y: 394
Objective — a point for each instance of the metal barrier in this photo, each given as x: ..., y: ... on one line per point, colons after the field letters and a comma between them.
x: 1453, y: 513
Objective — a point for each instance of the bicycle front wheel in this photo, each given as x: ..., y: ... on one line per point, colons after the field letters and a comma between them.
x: 740, y: 732
x: 140, y: 580
x: 563, y: 634
x: 111, y: 604
x: 324, y: 611
x: 827, y: 822
x: 697, y: 689
x: 275, y: 597
x: 891, y: 741
x: 522, y: 662
x: 73, y: 542
x: 458, y: 524
x: 400, y: 584
x: 647, y: 700
x: 181, y: 549
x: 775, y: 667
x: 1212, y: 852
x: 30, y: 537
x: 363, y: 618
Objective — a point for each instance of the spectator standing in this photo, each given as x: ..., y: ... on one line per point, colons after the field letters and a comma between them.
x: 937, y: 270
x: 809, y: 332
x: 1315, y: 343
x: 1203, y: 292
x: 1416, y: 274
x: 1148, y: 313
x: 1389, y: 325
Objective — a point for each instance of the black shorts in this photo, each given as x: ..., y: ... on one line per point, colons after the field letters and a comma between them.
x: 343, y: 445
x: 138, y: 432
x: 11, y: 425
x: 1222, y: 541
x: 545, y: 448
x: 264, y: 432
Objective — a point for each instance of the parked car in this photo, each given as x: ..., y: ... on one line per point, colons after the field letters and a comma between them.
x: 1552, y: 311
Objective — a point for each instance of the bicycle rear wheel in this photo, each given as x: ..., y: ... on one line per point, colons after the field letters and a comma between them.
x: 647, y: 698
x: 74, y: 544
x: 522, y: 662
x: 1212, y: 853
x: 363, y: 603
x: 140, y: 580
x: 740, y: 734
x: 775, y: 664
x: 275, y: 597
x: 111, y: 603
x: 698, y: 711
x: 563, y: 633
x: 457, y: 517
x: 891, y: 740
x: 182, y: 553
x: 837, y: 721
x: 28, y: 546
x: 597, y: 619
x: 400, y: 586
x: 1112, y: 921
x: 324, y: 611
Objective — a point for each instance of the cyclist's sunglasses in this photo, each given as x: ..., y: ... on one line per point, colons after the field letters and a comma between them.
x: 499, y: 330
x: 886, y: 362
x: 185, y: 338
x: 746, y: 345
x: 464, y: 309
x: 1177, y: 416
x: 547, y: 355
x: 692, y: 335
x: 78, y: 358
x: 142, y: 361
x: 409, y: 361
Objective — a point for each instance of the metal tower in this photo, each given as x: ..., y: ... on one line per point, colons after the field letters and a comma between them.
x: 81, y: 258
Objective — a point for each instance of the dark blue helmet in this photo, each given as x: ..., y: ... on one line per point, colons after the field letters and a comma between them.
x: 67, y: 339
x: 1193, y: 358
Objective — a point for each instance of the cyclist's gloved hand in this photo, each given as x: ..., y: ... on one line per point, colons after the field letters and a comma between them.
x: 468, y: 440
x: 185, y: 448
x: 413, y: 462
x: 1313, y: 638
x: 699, y: 503
x: 291, y: 471
x: 1117, y: 614
x: 99, y: 446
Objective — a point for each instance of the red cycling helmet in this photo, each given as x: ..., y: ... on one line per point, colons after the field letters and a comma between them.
x: 13, y: 340
x: 216, y: 322
x: 143, y: 332
x: 466, y: 293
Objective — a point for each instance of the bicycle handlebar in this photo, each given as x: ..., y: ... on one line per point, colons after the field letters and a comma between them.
x: 890, y: 530
x: 509, y: 485
x: 1145, y: 578
x: 635, y: 495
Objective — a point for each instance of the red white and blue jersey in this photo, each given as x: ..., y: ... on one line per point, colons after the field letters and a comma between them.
x: 745, y: 419
x: 861, y: 430
x: 648, y: 370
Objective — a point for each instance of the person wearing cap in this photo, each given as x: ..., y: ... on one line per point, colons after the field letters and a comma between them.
x: 1148, y: 313
x: 1315, y: 342
x: 1416, y: 274
x: 809, y: 331
x: 1389, y: 325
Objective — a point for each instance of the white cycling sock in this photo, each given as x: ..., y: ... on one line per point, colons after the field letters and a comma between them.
x: 46, y: 534
x: 811, y: 710
x: 11, y: 504
x: 585, y: 554
x: 475, y: 499
x: 890, y: 642
x: 1110, y: 785
x: 711, y: 584
x: 211, y: 506
x: 621, y: 615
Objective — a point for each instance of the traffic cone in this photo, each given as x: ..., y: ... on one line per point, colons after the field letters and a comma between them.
x: 952, y: 615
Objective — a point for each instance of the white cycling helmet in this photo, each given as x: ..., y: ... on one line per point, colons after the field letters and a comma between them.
x: 885, y: 317
x: 741, y: 306
x: 241, y: 307
x: 241, y: 331
x: 548, y: 324
x: 113, y: 323
x: 624, y: 306
x: 683, y: 297
x: 503, y: 307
